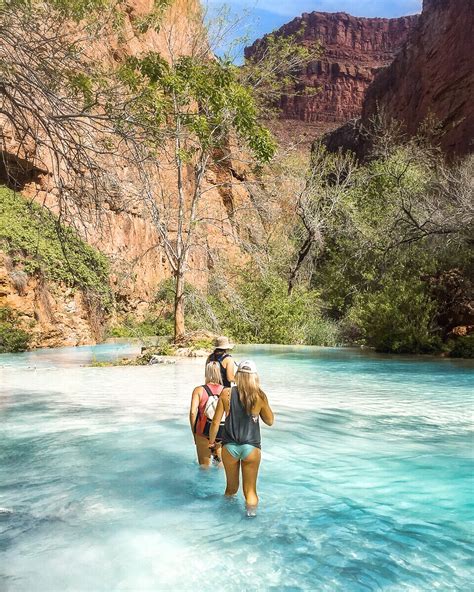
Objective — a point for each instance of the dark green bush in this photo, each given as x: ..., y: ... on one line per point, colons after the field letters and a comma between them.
x: 397, y: 319
x: 463, y: 347
x: 150, y: 327
x: 12, y: 337
x: 260, y: 310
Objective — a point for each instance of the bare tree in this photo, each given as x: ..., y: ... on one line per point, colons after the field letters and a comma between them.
x: 40, y: 72
x: 184, y: 123
x: 442, y: 208
x: 196, y: 117
x: 318, y: 205
x: 201, y: 118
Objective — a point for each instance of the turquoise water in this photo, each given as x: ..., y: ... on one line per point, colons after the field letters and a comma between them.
x: 366, y: 481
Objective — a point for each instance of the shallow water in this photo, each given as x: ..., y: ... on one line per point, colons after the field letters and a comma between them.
x: 366, y: 481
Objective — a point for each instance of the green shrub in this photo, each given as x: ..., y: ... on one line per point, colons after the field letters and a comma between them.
x: 260, y: 310
x: 35, y: 240
x: 12, y: 337
x: 203, y: 344
x: 397, y: 319
x: 161, y: 326
x: 164, y: 349
x: 463, y: 347
x: 321, y: 331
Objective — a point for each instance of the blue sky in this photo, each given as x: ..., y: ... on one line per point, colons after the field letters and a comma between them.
x: 264, y: 16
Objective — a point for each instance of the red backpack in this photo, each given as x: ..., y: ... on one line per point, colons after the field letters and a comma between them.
x: 206, y: 410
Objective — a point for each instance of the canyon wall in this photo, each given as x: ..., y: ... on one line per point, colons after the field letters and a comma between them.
x: 56, y: 315
x: 431, y: 79
x: 331, y: 88
x: 433, y: 76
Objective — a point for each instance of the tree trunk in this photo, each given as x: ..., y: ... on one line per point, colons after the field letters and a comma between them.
x: 304, y: 250
x: 179, y: 306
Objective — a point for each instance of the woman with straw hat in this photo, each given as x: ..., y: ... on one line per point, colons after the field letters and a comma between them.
x: 221, y: 354
x: 243, y: 406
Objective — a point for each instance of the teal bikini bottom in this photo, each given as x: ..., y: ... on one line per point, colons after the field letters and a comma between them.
x: 240, y: 451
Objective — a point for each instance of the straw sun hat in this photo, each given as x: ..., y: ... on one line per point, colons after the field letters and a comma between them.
x: 223, y: 343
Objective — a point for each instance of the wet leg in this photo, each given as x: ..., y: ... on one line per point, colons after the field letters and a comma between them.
x: 203, y: 451
x: 250, y: 467
x: 232, y: 468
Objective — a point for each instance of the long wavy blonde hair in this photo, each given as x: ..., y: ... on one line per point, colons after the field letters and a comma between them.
x: 249, y: 389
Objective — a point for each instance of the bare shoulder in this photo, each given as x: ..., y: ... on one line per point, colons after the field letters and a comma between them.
x: 225, y: 393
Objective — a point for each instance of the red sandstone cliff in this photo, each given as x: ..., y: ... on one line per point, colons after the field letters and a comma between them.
x: 126, y: 233
x: 353, y: 49
x: 433, y: 76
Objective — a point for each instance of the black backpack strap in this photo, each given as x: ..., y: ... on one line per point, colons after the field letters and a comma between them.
x: 208, y: 391
x: 204, y: 386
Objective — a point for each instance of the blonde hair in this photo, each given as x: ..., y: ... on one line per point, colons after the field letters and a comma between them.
x: 213, y: 373
x: 249, y: 389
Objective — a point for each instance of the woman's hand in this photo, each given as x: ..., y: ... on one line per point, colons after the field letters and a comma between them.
x: 212, y: 445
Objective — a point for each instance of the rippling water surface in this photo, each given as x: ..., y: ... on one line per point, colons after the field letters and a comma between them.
x: 366, y: 481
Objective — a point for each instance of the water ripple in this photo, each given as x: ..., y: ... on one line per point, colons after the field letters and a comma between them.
x: 366, y: 481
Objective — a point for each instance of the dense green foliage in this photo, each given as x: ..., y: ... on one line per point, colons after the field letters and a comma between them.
x: 12, y: 337
x: 259, y: 310
x: 37, y: 243
x: 463, y: 347
x: 398, y: 318
x: 152, y: 326
x: 404, y: 220
x: 256, y: 310
x: 168, y: 96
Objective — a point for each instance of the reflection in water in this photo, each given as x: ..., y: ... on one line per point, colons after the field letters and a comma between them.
x: 366, y: 481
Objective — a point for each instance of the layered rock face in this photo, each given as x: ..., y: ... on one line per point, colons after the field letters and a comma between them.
x: 431, y: 82
x: 53, y: 315
x: 332, y: 87
x: 125, y: 233
x: 433, y: 76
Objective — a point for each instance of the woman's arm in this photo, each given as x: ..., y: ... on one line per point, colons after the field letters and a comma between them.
x: 229, y: 369
x: 266, y: 413
x: 216, y: 420
x: 193, y: 410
